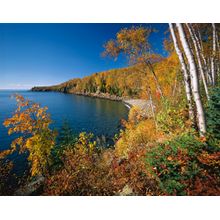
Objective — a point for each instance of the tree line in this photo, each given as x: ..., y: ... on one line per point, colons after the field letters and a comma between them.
x: 197, y: 47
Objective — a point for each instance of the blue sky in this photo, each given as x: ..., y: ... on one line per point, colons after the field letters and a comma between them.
x: 48, y: 54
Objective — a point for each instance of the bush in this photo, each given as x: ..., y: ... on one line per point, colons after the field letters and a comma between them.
x: 213, y: 113
x: 31, y: 122
x: 5, y: 174
x: 183, y: 166
x: 135, y: 136
x: 66, y: 140
x: 172, y: 118
x: 87, y: 171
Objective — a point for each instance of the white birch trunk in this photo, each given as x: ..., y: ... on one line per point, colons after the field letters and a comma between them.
x: 194, y: 80
x: 196, y: 46
x: 201, y: 52
x: 213, y: 71
x: 218, y: 55
x: 184, y: 71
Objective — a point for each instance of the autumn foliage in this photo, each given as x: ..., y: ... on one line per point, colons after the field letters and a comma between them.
x: 161, y: 153
x: 32, y: 122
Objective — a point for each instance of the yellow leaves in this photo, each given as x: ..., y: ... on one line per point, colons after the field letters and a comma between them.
x: 85, y: 145
x: 10, y: 131
x: 17, y: 142
x: 5, y: 153
x: 135, y: 136
x: 6, y: 123
x: 33, y: 122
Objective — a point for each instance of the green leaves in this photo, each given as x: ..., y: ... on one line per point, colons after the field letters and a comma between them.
x: 213, y: 113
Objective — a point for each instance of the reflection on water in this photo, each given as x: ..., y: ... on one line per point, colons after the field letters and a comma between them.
x: 99, y: 116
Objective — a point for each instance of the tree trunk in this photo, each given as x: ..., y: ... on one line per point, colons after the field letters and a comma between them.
x: 218, y: 55
x: 201, y: 52
x: 155, y: 78
x: 213, y: 55
x: 194, y: 80
x: 196, y: 46
x: 185, y: 73
x: 152, y: 106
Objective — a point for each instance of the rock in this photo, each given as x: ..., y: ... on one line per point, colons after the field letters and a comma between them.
x: 126, y: 191
x: 31, y: 187
x: 142, y: 104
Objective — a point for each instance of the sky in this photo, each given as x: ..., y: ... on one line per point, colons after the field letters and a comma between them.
x: 49, y: 54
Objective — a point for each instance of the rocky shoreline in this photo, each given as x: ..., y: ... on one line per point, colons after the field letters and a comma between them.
x: 142, y: 104
x: 92, y: 95
x: 100, y: 95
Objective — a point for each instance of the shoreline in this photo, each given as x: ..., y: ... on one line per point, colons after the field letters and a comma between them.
x: 143, y: 104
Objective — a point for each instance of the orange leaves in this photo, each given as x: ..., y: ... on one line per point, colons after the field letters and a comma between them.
x: 111, y: 49
x: 32, y: 122
x: 210, y: 159
x: 100, y: 173
x: 169, y: 158
x: 132, y: 42
x: 4, y: 153
x: 203, y: 139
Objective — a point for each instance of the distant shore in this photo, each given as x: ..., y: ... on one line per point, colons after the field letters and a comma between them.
x: 93, y: 95
x: 143, y: 104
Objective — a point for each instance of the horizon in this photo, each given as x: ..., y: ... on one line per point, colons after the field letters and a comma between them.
x: 50, y: 54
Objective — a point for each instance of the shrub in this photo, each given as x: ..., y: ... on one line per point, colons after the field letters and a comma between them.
x: 182, y: 166
x: 172, y: 119
x: 213, y: 113
x: 32, y: 122
x: 5, y: 171
x: 135, y: 136
x: 66, y: 139
x: 90, y: 171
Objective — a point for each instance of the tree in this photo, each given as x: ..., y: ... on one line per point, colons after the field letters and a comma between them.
x: 213, y: 59
x: 194, y: 79
x: 134, y: 44
x: 184, y: 71
x: 37, y: 138
x: 196, y: 46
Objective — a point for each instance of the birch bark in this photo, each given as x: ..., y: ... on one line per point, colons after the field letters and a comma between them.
x: 213, y: 71
x: 196, y: 46
x: 194, y: 80
x: 184, y: 71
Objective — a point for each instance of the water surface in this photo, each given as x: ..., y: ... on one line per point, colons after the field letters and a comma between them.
x: 99, y: 116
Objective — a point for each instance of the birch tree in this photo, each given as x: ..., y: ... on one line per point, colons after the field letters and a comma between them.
x: 134, y: 44
x: 213, y: 54
x: 201, y: 52
x: 196, y: 46
x: 194, y: 79
x: 184, y: 71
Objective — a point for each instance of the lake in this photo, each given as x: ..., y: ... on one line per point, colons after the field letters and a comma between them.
x: 99, y: 116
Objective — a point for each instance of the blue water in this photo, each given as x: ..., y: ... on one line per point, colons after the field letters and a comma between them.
x: 99, y: 116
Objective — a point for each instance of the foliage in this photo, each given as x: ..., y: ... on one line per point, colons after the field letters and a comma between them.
x: 135, y: 115
x: 132, y: 42
x: 173, y: 117
x: 99, y: 172
x: 65, y: 140
x: 151, y: 156
x: 32, y: 123
x: 133, y: 80
x: 183, y: 166
x: 135, y: 136
x: 213, y: 113
x: 5, y: 170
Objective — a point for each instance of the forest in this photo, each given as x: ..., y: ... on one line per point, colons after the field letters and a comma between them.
x: 174, y: 150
